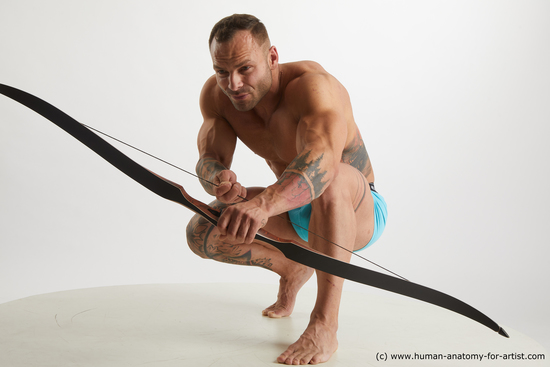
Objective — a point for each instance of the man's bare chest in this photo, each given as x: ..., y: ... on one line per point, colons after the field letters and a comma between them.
x: 274, y: 140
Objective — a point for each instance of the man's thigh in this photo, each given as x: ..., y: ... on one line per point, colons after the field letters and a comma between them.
x: 353, y: 205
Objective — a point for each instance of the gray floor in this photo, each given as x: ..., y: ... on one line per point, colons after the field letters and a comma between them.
x: 221, y: 325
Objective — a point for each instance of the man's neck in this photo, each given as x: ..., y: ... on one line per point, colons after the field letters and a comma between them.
x: 270, y: 101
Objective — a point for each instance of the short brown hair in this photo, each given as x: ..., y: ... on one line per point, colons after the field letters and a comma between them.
x: 226, y: 28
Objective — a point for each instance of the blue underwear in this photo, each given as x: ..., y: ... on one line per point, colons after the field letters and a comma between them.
x: 300, y: 218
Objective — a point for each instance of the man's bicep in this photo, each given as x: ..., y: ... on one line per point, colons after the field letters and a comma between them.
x: 322, y: 122
x: 322, y: 136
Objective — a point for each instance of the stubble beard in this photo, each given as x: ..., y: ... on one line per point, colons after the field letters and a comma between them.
x: 261, y: 90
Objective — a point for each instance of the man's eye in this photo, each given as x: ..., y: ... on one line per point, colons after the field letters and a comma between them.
x: 221, y: 72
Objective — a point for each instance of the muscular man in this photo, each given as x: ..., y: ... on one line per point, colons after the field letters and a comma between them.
x: 299, y: 119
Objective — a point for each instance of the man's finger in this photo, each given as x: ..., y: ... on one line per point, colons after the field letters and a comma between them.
x: 222, y: 224
x: 237, y: 191
x: 222, y: 189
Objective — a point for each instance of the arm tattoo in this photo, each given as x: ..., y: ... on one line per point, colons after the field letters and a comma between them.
x: 207, y: 168
x: 356, y: 156
x: 304, y: 176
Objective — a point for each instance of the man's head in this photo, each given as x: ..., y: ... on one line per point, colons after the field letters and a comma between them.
x: 226, y: 28
x: 243, y: 59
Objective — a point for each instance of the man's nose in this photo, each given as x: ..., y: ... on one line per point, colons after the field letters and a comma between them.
x: 235, y: 82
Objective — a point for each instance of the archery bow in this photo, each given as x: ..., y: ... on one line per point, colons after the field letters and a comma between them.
x: 292, y: 250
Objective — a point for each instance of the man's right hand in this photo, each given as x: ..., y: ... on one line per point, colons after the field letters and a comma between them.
x: 227, y: 189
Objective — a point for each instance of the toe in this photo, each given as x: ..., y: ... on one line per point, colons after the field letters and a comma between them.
x: 274, y: 315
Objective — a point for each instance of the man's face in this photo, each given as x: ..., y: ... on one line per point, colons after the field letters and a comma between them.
x: 242, y: 69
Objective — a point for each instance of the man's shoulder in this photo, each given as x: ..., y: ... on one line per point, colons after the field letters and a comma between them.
x: 309, y: 84
x: 304, y: 66
x: 303, y: 75
x: 211, y: 97
x: 300, y: 70
x: 210, y: 87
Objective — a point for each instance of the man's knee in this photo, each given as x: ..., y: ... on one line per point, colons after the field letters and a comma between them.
x: 347, y: 187
x: 335, y: 192
x: 197, y: 234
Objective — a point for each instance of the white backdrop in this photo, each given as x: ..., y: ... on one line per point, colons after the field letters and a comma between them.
x: 453, y: 100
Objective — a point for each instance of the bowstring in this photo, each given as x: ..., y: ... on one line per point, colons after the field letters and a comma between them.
x: 213, y: 184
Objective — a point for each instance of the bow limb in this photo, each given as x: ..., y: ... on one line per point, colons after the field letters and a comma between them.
x: 319, y: 261
x: 292, y: 250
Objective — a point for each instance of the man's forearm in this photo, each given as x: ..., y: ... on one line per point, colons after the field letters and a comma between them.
x: 207, y: 168
x: 304, y: 180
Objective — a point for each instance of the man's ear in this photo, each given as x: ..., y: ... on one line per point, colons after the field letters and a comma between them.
x: 273, y: 57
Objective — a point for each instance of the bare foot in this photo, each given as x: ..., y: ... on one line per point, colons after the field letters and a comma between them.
x: 316, y: 345
x: 288, y: 290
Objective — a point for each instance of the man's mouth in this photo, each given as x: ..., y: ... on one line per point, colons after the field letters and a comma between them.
x: 239, y: 96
